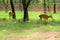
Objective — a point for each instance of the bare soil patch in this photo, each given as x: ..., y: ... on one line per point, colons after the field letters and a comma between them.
x: 40, y: 36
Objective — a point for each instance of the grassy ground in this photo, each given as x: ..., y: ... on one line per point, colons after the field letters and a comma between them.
x: 13, y: 28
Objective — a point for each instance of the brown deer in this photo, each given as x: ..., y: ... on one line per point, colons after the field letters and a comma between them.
x: 44, y: 16
x: 10, y: 14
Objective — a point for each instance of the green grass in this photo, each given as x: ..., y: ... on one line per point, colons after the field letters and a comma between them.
x: 11, y: 29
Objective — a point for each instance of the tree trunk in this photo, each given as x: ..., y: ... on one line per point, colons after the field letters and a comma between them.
x: 5, y: 6
x: 37, y: 1
x: 25, y: 8
x: 20, y: 6
x: 15, y: 2
x: 48, y: 6
x: 26, y: 18
x: 44, y: 6
x: 13, y: 10
x: 54, y: 8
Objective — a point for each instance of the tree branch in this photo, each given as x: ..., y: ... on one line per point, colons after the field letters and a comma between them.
x: 24, y: 3
x: 28, y: 3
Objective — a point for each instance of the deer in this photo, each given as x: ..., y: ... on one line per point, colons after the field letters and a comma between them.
x: 44, y: 16
x: 10, y: 14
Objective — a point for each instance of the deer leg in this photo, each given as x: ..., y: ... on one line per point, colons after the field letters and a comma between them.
x: 45, y: 22
x: 41, y: 18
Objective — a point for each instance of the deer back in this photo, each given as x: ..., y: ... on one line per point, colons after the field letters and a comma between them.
x: 44, y: 16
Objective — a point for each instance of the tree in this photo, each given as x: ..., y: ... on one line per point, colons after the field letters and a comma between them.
x: 13, y: 10
x: 37, y: 1
x: 25, y: 8
x: 0, y: 3
x: 20, y: 6
x: 48, y: 6
x: 54, y: 1
x: 44, y: 6
x: 15, y: 2
x: 5, y: 5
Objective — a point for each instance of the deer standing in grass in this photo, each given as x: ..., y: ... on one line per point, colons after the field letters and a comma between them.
x: 44, y: 16
x: 10, y: 14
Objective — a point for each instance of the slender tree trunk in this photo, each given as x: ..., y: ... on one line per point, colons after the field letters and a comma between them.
x: 5, y: 6
x: 48, y: 6
x: 13, y: 10
x: 54, y: 6
x: 26, y: 18
x: 15, y: 2
x: 37, y: 1
x: 44, y: 6
x: 20, y: 7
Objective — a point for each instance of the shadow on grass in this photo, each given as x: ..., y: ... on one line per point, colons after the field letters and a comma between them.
x: 16, y: 26
x: 20, y: 26
x: 55, y: 23
x: 51, y: 22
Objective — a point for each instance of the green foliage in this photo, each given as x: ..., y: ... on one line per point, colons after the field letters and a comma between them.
x: 33, y: 1
x: 41, y: 2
